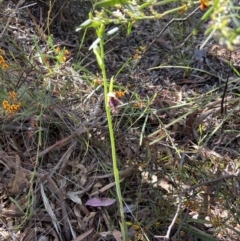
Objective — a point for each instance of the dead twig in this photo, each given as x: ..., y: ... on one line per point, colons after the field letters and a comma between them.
x: 167, y: 236
x: 62, y: 162
x: 166, y: 26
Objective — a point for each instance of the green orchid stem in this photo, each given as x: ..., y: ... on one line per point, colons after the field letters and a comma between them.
x: 112, y: 139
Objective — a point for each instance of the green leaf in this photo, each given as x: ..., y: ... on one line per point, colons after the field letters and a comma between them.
x: 16, y: 203
x: 145, y: 5
x: 96, y: 51
x: 129, y: 28
x: 208, y: 13
x: 198, y: 233
x: 111, y: 84
x: 107, y: 3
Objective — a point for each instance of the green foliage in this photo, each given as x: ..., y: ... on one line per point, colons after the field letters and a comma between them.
x: 108, y: 3
x: 222, y: 15
x: 127, y: 13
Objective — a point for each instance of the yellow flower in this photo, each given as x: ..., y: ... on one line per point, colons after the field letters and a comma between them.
x: 12, y: 95
x: 6, y: 107
x: 19, y: 105
x: 204, y: 4
x: 139, y: 105
x: 97, y: 82
x: 5, y: 66
x: 137, y: 54
x: 5, y: 102
x: 57, y: 50
x: 63, y: 58
x: 119, y: 94
x: 1, y: 59
x: 13, y: 108
x: 136, y: 227
x: 183, y: 9
x: 66, y: 52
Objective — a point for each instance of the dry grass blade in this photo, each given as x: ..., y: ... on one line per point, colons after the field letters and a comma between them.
x: 62, y: 162
x: 61, y: 203
x: 49, y: 210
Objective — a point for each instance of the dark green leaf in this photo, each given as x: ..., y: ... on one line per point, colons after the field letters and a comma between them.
x: 107, y: 3
x: 198, y: 233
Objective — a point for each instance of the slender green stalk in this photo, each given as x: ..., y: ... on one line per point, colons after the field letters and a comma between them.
x: 100, y: 58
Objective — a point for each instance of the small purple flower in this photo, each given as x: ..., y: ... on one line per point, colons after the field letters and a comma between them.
x: 113, y: 102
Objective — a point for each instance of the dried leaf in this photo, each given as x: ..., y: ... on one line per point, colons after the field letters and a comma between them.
x: 117, y: 235
x: 83, y: 223
x: 87, y: 218
x: 189, y: 130
x: 74, y: 197
x: 162, y: 182
x: 166, y: 185
x: 18, y: 183
x: 81, y: 173
x: 84, y: 235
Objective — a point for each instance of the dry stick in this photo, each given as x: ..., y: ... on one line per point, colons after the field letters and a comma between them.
x: 62, y: 162
x: 210, y: 182
x: 180, y: 226
x: 167, y: 236
x: 224, y: 109
x: 167, y: 25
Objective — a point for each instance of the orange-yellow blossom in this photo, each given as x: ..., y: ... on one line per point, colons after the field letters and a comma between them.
x: 204, y: 4
x: 119, y: 94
